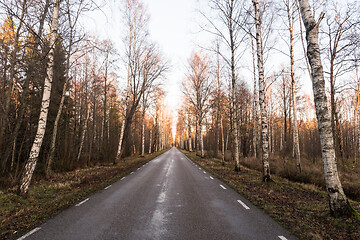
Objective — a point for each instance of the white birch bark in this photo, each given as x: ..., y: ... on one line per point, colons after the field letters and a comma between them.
x: 201, y: 143
x: 222, y: 141
x: 150, y: 141
x: 262, y: 94
x: 35, y: 149
x: 83, y: 133
x: 143, y: 134
x: 296, y: 145
x: 189, y: 129
x: 255, y: 103
x: 338, y: 202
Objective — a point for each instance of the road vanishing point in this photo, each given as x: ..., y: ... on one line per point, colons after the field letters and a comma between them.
x: 170, y: 197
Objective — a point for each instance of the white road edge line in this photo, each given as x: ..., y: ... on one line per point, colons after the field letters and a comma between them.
x: 29, y: 233
x: 211, y: 177
x: 82, y: 202
x: 243, y: 204
x: 108, y: 187
x: 282, y: 237
x: 222, y: 186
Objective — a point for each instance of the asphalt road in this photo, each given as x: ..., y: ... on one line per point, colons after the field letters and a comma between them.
x: 168, y: 198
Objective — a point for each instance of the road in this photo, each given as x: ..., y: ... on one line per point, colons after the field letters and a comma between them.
x: 168, y: 198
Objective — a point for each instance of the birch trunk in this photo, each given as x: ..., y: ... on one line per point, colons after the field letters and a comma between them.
x: 35, y: 149
x: 201, y: 143
x: 143, y: 134
x: 197, y: 136
x: 338, y: 203
x: 262, y: 95
x: 118, y: 154
x: 150, y: 141
x: 83, y: 133
x: 255, y: 102
x: 296, y: 144
x: 233, y: 99
x: 189, y: 129
x: 222, y: 141
x: 57, y: 119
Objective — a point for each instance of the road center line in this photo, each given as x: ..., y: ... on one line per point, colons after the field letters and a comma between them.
x: 282, y: 237
x: 29, y: 233
x: 222, y: 186
x: 243, y: 204
x: 108, y: 187
x: 211, y: 177
x: 82, y: 202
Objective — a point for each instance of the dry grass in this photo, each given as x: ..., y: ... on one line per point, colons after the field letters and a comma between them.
x: 312, y: 172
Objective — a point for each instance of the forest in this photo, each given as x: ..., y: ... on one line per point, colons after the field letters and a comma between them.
x: 61, y: 105
x: 268, y: 120
x: 276, y: 89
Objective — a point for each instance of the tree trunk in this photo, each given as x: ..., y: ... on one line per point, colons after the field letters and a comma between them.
x: 201, y: 143
x: 235, y: 138
x: 338, y: 203
x: 189, y: 129
x: 222, y: 141
x: 150, y: 141
x: 82, y: 139
x: 57, y: 119
x: 262, y: 96
x: 35, y: 149
x: 118, y: 154
x: 143, y: 134
x: 255, y: 103
x: 296, y: 144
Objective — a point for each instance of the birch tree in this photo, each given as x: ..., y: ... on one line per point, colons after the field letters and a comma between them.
x: 338, y: 203
x: 262, y: 95
x: 35, y: 149
x: 197, y: 89
x: 231, y: 18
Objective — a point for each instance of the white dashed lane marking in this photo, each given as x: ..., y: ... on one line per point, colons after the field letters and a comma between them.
x: 204, y: 172
x: 108, y: 187
x: 282, y: 237
x: 243, y: 204
x: 222, y: 186
x: 82, y: 202
x: 211, y: 177
x: 29, y: 233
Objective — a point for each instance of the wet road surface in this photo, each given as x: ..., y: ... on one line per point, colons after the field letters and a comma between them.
x: 168, y: 198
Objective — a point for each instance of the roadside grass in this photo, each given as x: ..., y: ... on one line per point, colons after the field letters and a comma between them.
x: 46, y: 198
x: 300, y: 208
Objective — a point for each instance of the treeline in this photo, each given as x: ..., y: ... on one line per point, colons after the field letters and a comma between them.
x: 62, y: 104
x: 230, y: 114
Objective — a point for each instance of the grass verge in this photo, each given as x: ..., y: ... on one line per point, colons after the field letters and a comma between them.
x: 46, y: 198
x: 300, y: 208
